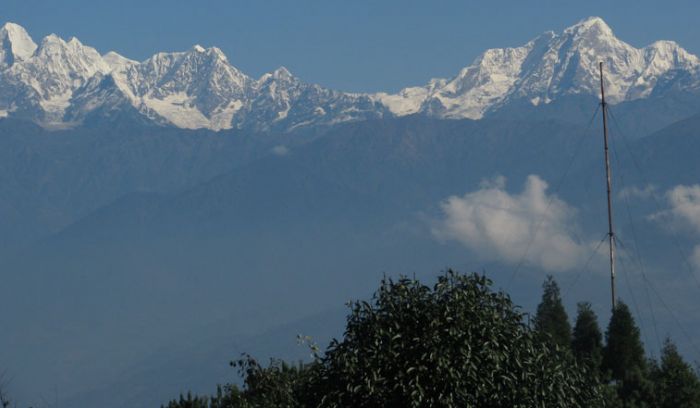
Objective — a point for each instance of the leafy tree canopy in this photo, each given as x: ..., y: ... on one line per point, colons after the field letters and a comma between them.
x: 455, y: 344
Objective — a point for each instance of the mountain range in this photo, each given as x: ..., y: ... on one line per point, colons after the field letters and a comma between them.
x: 60, y: 84
x: 158, y: 218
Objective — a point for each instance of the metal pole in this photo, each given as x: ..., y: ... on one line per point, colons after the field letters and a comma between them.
x: 611, y: 233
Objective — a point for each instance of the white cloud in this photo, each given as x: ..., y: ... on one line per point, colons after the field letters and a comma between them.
x: 280, y: 150
x: 685, y: 204
x: 695, y: 258
x: 637, y: 192
x: 683, y: 214
x: 499, y: 226
x: 684, y: 211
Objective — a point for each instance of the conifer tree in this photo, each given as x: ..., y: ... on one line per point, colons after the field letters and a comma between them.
x: 637, y: 389
x: 676, y: 384
x: 551, y: 318
x: 624, y: 360
x: 587, y: 342
x: 623, y: 352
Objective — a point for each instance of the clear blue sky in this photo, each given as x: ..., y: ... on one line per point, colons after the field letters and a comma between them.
x: 352, y: 45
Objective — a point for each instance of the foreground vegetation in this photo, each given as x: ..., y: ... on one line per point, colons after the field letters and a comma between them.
x: 459, y: 343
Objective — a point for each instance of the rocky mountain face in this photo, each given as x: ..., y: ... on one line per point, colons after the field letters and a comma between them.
x: 65, y: 83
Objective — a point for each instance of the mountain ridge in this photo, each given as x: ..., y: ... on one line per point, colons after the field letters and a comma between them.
x: 550, y: 66
x: 62, y: 83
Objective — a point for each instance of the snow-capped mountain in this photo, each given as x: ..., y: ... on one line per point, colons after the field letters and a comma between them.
x: 40, y: 82
x: 59, y: 83
x: 193, y: 89
x: 15, y: 45
x: 551, y: 66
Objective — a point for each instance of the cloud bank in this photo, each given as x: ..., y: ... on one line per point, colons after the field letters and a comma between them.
x: 683, y: 213
x: 499, y: 226
x: 685, y: 205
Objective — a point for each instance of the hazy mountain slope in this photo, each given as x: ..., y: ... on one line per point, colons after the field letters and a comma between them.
x: 669, y: 156
x: 49, y: 179
x: 290, y: 235
x: 204, y: 361
x: 636, y: 119
x: 53, y: 178
x: 280, y: 238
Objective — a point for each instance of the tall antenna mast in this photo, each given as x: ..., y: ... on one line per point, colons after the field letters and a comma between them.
x: 611, y: 233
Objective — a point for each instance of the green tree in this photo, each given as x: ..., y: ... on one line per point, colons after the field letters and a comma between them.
x: 551, y: 318
x: 4, y: 398
x: 279, y: 385
x: 587, y: 341
x: 456, y: 344
x: 189, y: 401
x: 675, y: 382
x: 623, y: 350
x: 636, y: 390
x: 624, y: 361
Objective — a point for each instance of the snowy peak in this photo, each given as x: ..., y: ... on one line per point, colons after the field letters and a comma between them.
x: 631, y: 73
x: 40, y: 81
x: 69, y: 60
x: 63, y: 83
x: 282, y: 73
x: 212, y: 52
x: 568, y: 64
x: 194, y: 68
x: 15, y: 44
x: 279, y: 76
x: 117, y: 62
x: 666, y: 55
x: 547, y: 68
x: 193, y: 89
x: 591, y: 27
x: 478, y: 86
x: 56, y: 70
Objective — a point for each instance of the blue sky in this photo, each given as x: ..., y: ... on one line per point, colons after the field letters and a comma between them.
x: 358, y: 45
